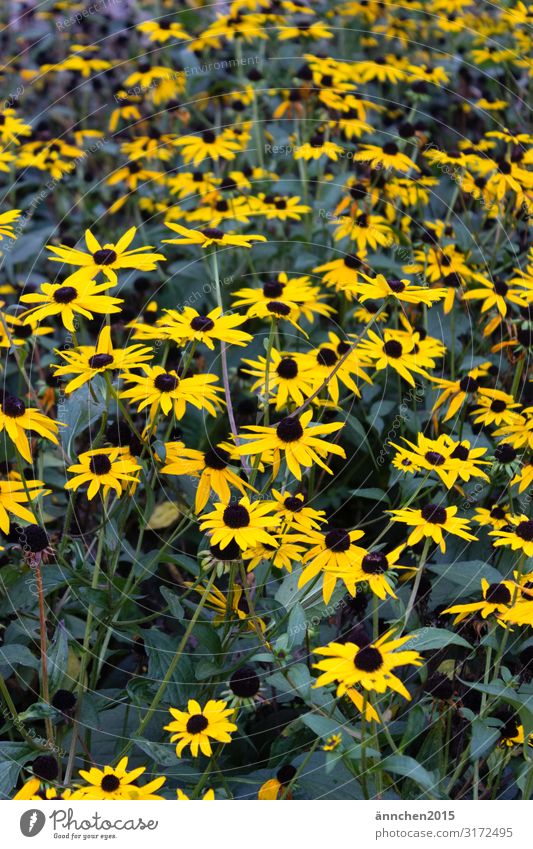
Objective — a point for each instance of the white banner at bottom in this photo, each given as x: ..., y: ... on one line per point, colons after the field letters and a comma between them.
x: 313, y: 824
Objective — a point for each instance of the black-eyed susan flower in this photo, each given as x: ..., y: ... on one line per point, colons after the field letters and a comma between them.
x: 284, y: 297
x: 524, y: 478
x: 70, y: 299
x: 397, y: 352
x: 162, y: 389
x: 373, y: 568
x: 283, y: 556
x: 16, y: 419
x: 496, y: 517
x: 192, y: 326
x: 212, y: 467
x: 86, y: 361
x: 401, y: 290
x: 433, y: 521
x: 497, y: 598
x: 296, y: 439
x: 456, y: 392
x: 14, y: 494
x: 208, y: 796
x: 289, y: 378
x: 367, y: 230
x: 108, y: 258
x: 103, y: 469
x: 369, y: 666
x: 495, y: 407
x: 449, y: 459
x: 246, y: 522
x: 295, y: 513
x: 36, y: 790
x: 208, y: 144
x: 388, y: 156
x: 163, y: 30
x: 333, y: 556
x: 516, y: 535
x: 197, y: 726
x: 7, y: 219
x: 210, y: 236
x: 272, y: 787
x: 519, y: 431
x: 116, y: 783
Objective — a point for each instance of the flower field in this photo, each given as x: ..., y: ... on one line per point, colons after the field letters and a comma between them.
x: 266, y: 411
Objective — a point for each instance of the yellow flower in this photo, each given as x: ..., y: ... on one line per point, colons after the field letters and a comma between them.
x: 432, y: 521
x: 211, y: 466
x: 162, y: 389
x: 13, y: 495
x: 300, y: 443
x: 81, y: 297
x: 108, y: 258
x: 191, y: 326
x: 103, y: 468
x: 368, y: 665
x: 16, y: 418
x: 89, y: 360
x: 196, y: 726
x: 247, y: 523
x: 116, y: 783
x: 210, y: 236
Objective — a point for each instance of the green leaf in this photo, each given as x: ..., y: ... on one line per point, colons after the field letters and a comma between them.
x: 296, y: 626
x: 372, y: 493
x: 484, y: 738
x: 410, y: 768
x: 58, y: 658
x: 173, y: 602
x: 13, y: 756
x: 428, y: 639
x: 17, y: 655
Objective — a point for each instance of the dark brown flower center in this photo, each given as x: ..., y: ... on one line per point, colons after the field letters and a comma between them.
x: 213, y: 233
x: 13, y: 407
x: 293, y: 504
x: 279, y: 308
x: 434, y: 513
x: 393, y: 349
x: 498, y: 406
x: 216, y: 458
x: 65, y: 294
x: 100, y: 360
x: 468, y: 384
x: 396, y: 286
x: 289, y: 429
x: 368, y: 659
x: 337, y: 540
x: 166, y: 382
x: 273, y: 289
x: 202, y: 323
x: 498, y: 594
x: 461, y: 452
x: 434, y: 458
x: 287, y: 368
x: 245, y: 683
x: 110, y: 783
x: 105, y: 256
x: 236, y: 516
x: 326, y: 357
x: 100, y: 464
x: 525, y: 530
x: 374, y: 563
x: 197, y: 723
